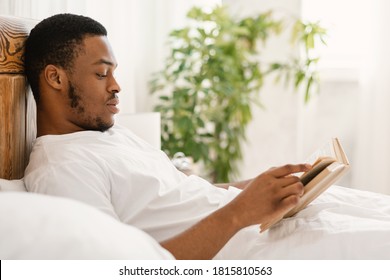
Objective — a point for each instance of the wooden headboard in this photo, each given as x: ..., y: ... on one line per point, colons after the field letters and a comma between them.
x: 17, y: 105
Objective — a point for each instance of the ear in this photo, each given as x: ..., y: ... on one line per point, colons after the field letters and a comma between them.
x: 55, y: 77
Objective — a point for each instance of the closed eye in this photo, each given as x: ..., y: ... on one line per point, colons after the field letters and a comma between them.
x: 101, y: 76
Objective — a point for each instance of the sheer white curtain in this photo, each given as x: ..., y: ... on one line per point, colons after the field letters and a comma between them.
x: 372, y: 167
x: 357, y: 85
x: 137, y: 31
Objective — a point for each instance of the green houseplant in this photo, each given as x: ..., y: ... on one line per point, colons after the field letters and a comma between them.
x: 212, y: 78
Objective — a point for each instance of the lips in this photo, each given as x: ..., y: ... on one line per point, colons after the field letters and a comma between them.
x: 112, y: 105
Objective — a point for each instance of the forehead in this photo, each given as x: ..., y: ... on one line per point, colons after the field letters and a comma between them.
x: 96, y: 50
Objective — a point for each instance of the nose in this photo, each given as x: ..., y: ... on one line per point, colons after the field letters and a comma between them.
x: 114, y: 87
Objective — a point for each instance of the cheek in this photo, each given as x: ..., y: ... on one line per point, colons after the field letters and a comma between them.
x: 89, y: 94
x: 92, y: 97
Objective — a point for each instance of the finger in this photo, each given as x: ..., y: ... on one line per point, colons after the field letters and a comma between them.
x: 296, y: 188
x: 286, y: 181
x: 290, y: 202
x: 289, y: 169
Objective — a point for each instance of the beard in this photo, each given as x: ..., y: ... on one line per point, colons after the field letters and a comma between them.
x: 84, y: 120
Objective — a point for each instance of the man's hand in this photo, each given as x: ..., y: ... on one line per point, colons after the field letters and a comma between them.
x: 269, y: 196
x: 264, y: 198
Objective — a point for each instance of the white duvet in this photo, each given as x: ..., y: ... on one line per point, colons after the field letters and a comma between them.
x: 341, y: 224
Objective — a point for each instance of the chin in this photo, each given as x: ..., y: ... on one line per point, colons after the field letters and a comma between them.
x: 99, y: 125
x: 105, y: 127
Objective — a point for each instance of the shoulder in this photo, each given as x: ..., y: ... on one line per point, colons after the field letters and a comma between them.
x: 55, y: 150
x: 53, y: 156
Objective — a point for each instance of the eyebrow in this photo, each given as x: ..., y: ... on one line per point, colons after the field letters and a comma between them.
x: 105, y: 61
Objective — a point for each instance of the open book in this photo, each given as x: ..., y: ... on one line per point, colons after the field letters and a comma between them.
x: 329, y: 164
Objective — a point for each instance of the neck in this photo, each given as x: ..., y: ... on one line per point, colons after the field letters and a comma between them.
x: 48, y: 123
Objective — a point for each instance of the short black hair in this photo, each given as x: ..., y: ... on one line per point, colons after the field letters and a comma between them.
x: 57, y: 40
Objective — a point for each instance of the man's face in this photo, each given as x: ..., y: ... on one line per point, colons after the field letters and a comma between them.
x: 92, y: 88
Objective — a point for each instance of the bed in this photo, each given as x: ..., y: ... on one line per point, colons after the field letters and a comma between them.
x: 341, y: 224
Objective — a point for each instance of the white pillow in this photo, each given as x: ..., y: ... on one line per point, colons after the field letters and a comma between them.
x: 12, y: 185
x: 35, y: 226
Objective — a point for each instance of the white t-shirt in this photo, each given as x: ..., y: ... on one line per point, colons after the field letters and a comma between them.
x: 122, y: 175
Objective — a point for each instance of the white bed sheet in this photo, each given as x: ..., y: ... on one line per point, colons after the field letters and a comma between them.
x: 341, y: 224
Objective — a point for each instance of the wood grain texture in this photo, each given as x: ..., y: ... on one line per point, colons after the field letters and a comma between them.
x: 17, y: 107
x: 13, y: 34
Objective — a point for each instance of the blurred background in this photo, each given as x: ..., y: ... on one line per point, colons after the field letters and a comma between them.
x: 353, y: 102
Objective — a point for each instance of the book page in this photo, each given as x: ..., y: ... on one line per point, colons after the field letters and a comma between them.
x: 319, y: 160
x: 318, y: 166
x: 327, y: 150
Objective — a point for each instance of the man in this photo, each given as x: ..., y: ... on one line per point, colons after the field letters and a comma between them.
x: 80, y: 153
